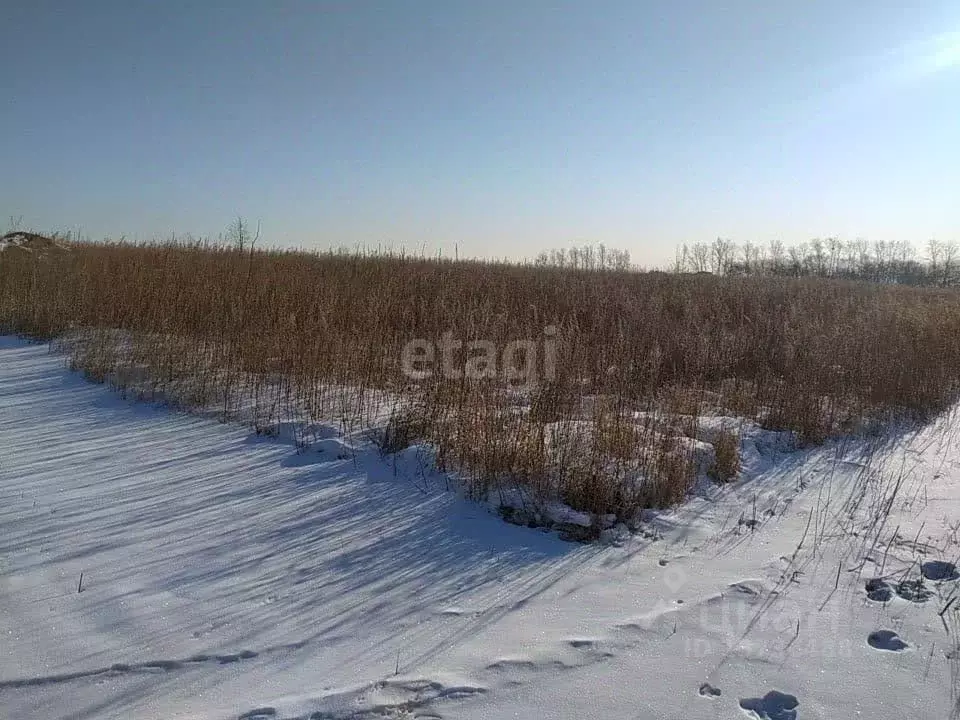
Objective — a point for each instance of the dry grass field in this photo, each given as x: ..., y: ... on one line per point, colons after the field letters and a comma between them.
x: 579, y: 385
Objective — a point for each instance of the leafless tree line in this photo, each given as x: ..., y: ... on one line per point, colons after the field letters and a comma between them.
x: 586, y: 257
x: 894, y: 262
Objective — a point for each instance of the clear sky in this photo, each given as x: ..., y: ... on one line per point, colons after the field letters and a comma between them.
x: 500, y: 127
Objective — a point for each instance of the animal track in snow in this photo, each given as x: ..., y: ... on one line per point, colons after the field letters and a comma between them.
x: 886, y: 640
x: 752, y: 589
x: 515, y: 665
x: 913, y: 590
x: 939, y: 570
x: 749, y: 592
x: 879, y: 590
x: 774, y: 705
x: 709, y: 691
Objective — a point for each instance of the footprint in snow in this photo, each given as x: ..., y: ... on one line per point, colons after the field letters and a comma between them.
x: 709, y: 691
x: 879, y: 591
x: 914, y: 591
x: 939, y: 571
x: 772, y: 706
x: 748, y: 589
x: 886, y: 640
x: 259, y: 714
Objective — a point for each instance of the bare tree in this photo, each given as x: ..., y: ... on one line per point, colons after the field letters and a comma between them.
x: 934, y: 252
x: 861, y: 252
x: 240, y: 236
x: 721, y: 254
x: 797, y: 259
x: 834, y: 254
x: 817, y: 256
x: 776, y: 254
x: 949, y: 261
x: 749, y: 252
x: 880, y: 252
x: 700, y: 257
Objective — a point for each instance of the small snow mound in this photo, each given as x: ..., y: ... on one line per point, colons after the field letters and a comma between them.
x: 703, y: 453
x: 519, y: 507
x: 711, y: 427
x: 30, y: 243
x: 617, y: 535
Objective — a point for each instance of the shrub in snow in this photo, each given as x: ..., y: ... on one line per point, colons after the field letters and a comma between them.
x: 726, y: 460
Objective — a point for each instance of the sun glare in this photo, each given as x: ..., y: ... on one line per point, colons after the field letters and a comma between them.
x: 945, y: 53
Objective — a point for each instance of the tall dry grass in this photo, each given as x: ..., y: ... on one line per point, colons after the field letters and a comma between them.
x: 287, y: 335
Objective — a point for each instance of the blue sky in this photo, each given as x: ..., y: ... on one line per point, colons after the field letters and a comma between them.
x: 501, y: 128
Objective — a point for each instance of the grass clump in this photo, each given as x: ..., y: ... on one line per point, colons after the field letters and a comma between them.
x: 726, y: 461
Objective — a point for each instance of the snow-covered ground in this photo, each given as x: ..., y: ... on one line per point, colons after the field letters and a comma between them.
x: 29, y: 242
x: 227, y: 576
